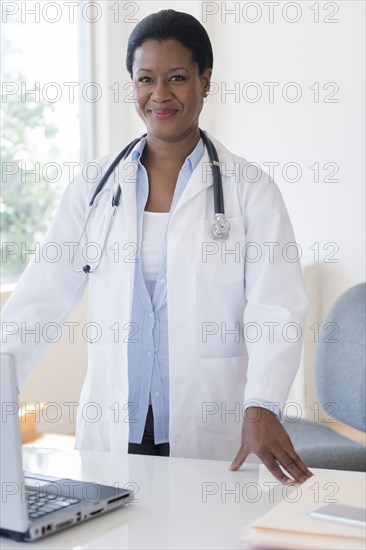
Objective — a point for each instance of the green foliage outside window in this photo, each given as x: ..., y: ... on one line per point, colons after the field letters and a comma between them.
x: 28, y: 200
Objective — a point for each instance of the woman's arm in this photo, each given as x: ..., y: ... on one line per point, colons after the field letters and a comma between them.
x: 48, y: 291
x: 277, y: 302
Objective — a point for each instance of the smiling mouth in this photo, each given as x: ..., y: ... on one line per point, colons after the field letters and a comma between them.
x: 162, y: 113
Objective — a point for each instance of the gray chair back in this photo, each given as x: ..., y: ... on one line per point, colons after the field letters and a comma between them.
x: 340, y: 364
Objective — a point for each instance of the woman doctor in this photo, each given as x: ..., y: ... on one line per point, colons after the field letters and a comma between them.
x: 187, y: 357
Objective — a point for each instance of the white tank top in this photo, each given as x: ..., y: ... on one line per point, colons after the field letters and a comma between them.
x: 153, y: 230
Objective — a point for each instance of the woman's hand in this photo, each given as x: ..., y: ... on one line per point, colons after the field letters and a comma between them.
x: 264, y: 435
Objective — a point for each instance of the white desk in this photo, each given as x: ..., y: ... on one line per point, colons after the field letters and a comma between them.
x: 180, y: 503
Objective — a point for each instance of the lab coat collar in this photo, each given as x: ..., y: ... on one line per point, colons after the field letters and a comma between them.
x: 201, y: 177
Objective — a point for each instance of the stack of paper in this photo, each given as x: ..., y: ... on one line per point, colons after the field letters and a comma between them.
x: 289, y: 525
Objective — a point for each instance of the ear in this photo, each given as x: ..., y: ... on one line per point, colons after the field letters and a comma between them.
x: 206, y: 79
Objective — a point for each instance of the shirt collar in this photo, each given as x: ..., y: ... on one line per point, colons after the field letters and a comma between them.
x: 193, y: 159
x: 137, y: 152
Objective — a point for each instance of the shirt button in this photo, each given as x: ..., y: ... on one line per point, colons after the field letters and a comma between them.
x: 177, y: 439
x: 149, y: 353
x: 177, y: 278
x: 157, y: 393
x: 151, y: 316
x: 163, y: 281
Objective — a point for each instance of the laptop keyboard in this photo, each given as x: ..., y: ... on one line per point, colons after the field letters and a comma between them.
x: 42, y: 504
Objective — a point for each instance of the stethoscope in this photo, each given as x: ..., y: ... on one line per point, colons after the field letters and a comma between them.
x: 219, y: 230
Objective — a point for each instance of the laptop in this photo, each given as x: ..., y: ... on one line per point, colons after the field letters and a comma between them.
x: 34, y: 506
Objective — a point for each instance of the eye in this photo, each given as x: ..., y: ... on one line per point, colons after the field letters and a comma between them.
x: 144, y: 79
x: 177, y: 78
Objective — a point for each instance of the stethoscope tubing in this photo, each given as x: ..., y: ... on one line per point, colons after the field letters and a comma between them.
x: 219, y: 230
x: 216, y: 173
x: 120, y: 157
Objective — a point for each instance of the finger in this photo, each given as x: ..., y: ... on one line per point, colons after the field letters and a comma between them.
x: 297, y: 459
x: 292, y: 462
x: 239, y: 459
x: 289, y: 464
x: 270, y: 462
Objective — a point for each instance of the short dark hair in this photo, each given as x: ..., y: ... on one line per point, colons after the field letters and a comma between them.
x: 172, y: 25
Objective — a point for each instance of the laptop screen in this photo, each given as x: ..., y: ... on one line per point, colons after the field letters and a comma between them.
x: 13, y: 510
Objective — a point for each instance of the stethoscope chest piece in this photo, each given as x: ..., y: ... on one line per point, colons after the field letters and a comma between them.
x: 219, y: 231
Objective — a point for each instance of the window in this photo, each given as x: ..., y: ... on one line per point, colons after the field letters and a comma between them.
x: 40, y: 124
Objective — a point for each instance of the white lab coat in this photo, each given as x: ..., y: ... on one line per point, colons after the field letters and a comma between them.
x: 214, y: 296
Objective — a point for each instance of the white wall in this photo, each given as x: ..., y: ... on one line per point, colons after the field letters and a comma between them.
x: 303, y: 132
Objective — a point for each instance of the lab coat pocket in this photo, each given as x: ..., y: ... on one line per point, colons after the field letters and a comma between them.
x: 220, y: 290
x: 220, y: 262
x: 96, y: 405
x: 221, y: 395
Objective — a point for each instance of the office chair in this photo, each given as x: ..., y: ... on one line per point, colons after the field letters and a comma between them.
x: 340, y: 379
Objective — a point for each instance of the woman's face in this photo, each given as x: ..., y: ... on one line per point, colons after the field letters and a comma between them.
x: 169, y: 91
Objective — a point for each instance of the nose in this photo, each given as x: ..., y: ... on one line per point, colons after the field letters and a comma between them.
x: 161, y: 91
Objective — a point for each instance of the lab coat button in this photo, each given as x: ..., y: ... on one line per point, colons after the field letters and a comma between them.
x: 177, y: 439
x: 179, y: 329
x: 179, y: 381
x: 179, y: 229
x: 177, y: 278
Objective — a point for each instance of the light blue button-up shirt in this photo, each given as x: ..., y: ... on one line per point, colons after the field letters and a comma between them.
x: 148, y: 352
